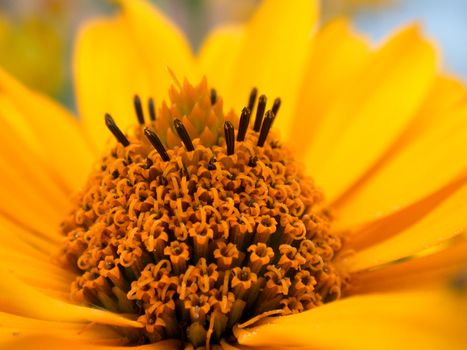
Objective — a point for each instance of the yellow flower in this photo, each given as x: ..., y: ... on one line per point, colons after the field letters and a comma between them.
x: 208, y: 231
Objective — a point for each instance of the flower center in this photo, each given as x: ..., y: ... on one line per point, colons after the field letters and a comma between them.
x: 196, y: 239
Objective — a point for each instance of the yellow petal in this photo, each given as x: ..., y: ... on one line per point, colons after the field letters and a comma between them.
x: 25, y: 152
x: 326, y: 77
x: 15, y: 328
x: 447, y: 220
x: 428, y: 270
x: 218, y: 54
x: 48, y: 342
x: 272, y: 54
x: 56, y: 130
x: 32, y: 258
x: 365, y: 122
x: 429, y: 163
x: 21, y: 299
x: 43, y: 274
x: 117, y: 58
x: 160, y: 44
x: 36, y: 271
x: 31, y: 194
x: 18, y: 239
x: 445, y: 94
x: 416, y: 320
x: 29, y: 209
x: 108, y: 72
x: 372, y: 233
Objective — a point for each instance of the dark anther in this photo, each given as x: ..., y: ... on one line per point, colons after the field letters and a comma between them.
x: 138, y: 109
x: 276, y: 105
x: 243, y: 124
x: 213, y: 97
x: 157, y: 144
x: 275, y: 144
x: 252, y: 99
x: 183, y: 134
x: 211, y: 165
x: 229, y: 132
x: 109, y: 121
x: 163, y: 180
x: 252, y: 161
x: 152, y: 109
x: 149, y: 163
x: 260, y: 112
x: 183, y: 171
x: 265, y: 128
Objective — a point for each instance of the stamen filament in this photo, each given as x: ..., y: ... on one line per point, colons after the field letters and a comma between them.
x: 243, y: 124
x: 252, y: 99
x: 115, y: 130
x: 152, y: 109
x: 213, y: 97
x: 265, y: 128
x: 260, y: 112
x: 138, y: 109
x: 276, y: 105
x: 157, y: 144
x: 183, y: 134
x: 229, y: 137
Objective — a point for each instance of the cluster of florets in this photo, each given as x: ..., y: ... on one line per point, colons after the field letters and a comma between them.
x: 196, y: 241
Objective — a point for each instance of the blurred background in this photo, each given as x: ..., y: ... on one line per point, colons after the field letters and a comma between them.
x: 36, y: 37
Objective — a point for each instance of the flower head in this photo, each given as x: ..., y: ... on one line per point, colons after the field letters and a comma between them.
x: 198, y: 238
x: 192, y: 219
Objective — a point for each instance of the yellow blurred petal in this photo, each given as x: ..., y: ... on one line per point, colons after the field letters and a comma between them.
x: 15, y: 328
x: 415, y: 320
x: 374, y: 232
x: 44, y: 342
x: 446, y: 93
x: 42, y: 273
x: 366, y: 121
x: 44, y: 276
x: 159, y: 42
x: 272, y: 55
x: 31, y: 194
x: 64, y: 147
x: 430, y: 162
x: 126, y: 55
x: 447, y: 220
x: 336, y: 55
x: 25, y: 153
x: 21, y: 299
x: 19, y: 239
x: 28, y: 209
x: 108, y: 72
x: 17, y: 122
x: 218, y: 54
x: 428, y: 270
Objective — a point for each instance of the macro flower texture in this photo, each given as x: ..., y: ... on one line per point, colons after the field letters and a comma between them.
x: 290, y: 186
